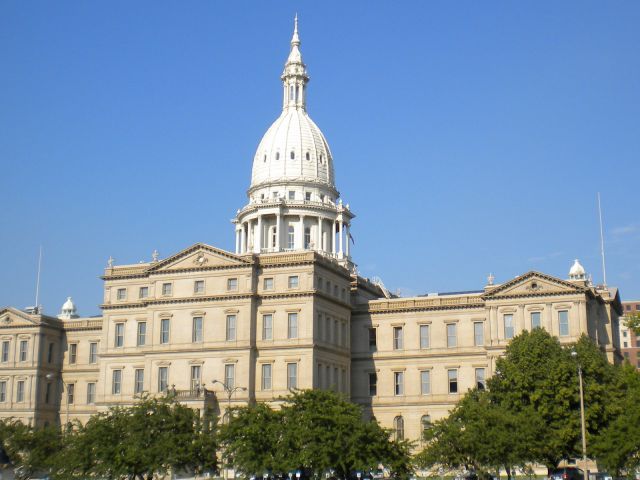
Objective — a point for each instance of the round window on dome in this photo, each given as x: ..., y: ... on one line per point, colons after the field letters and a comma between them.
x: 293, y: 155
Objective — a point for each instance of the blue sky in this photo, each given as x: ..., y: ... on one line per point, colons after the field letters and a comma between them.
x: 468, y: 137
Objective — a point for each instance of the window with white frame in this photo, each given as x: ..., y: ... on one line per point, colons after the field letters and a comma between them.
x: 143, y: 292
x: 452, y: 335
x: 231, y: 328
x: 116, y: 382
x: 119, y: 335
x: 20, y: 391
x: 24, y: 348
x: 424, y: 336
x: 232, y: 284
x: 121, y: 294
x: 142, y: 334
x: 398, y: 338
x: 293, y: 281
x: 266, y: 376
x: 292, y: 325
x: 480, y: 379
x: 196, y: 377
x: 563, y: 322
x: 508, y: 326
x: 373, y: 384
x: 292, y: 195
x: 425, y: 382
x: 292, y: 376
x: 398, y: 383
x: 398, y: 428
x: 536, y: 320
x: 163, y: 379
x: 138, y: 386
x: 165, y: 325
x: 267, y: 326
x: 478, y: 334
x: 268, y: 283
x: 73, y: 353
x: 71, y: 391
x: 93, y: 352
x: 167, y: 289
x: 452, y: 375
x: 291, y: 237
x: 91, y: 393
x: 230, y: 375
x: 196, y: 330
x: 425, y: 423
x: 198, y: 287
x: 3, y: 391
x: 307, y: 237
x: 5, y: 351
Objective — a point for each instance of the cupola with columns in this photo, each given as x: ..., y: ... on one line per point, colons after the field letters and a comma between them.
x: 293, y: 201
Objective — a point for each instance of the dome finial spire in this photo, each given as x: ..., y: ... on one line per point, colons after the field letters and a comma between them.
x: 295, y: 40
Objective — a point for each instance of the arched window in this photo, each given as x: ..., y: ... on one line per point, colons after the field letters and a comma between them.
x: 291, y: 92
x: 291, y: 237
x: 398, y: 428
x: 293, y: 155
x: 297, y: 93
x: 274, y: 235
x: 425, y: 423
x: 308, y: 156
x: 277, y: 155
x: 307, y: 237
x: 321, y: 158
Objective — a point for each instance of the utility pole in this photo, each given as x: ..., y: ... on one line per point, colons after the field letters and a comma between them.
x: 229, y: 390
x: 574, y: 354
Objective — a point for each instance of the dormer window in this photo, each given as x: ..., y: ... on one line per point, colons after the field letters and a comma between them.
x: 293, y: 155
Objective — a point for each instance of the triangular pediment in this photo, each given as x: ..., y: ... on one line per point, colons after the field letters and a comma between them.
x: 12, y: 317
x: 533, y: 283
x: 200, y: 256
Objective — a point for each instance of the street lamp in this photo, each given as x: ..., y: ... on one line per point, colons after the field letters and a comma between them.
x: 574, y: 354
x: 229, y: 390
x: 51, y: 376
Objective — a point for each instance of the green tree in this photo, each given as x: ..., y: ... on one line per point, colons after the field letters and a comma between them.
x: 617, y: 447
x: 314, y: 429
x: 156, y: 435
x: 31, y: 450
x: 632, y: 321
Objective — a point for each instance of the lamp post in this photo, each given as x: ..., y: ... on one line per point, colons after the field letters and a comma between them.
x: 229, y: 390
x: 65, y: 387
x: 574, y: 354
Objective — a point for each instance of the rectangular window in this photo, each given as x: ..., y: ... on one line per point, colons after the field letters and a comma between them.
x: 626, y: 345
x: 143, y: 292
x: 20, y: 391
x: 93, y: 352
x: 230, y: 375
x: 142, y: 333
x: 167, y: 289
x: 637, y: 343
x: 293, y: 281
x: 373, y: 384
x: 164, y: 330
x: 50, y: 353
x: 119, y: 335
x: 121, y: 294
x: 292, y: 376
x: 198, y: 286
x: 47, y: 393
x: 292, y: 325
x: 91, y: 393
x: 116, y: 382
x: 291, y: 237
x: 453, y: 380
x: 478, y: 334
x: 5, y: 351
x: 398, y: 382
x: 163, y: 379
x: 267, y: 326
x: 307, y: 196
x: 73, y: 353
x: 23, y: 350
x: 424, y: 336
x: 71, y: 390
x: 139, y: 380
x: 3, y: 391
x: 373, y: 339
x: 196, y: 333
x: 480, y: 380
x: 196, y: 377
x: 232, y: 284
x: 292, y: 195
x: 508, y: 326
x: 452, y: 335
x: 397, y: 338
x: 268, y: 283
x: 425, y: 382
x: 563, y: 322
x: 536, y: 321
x: 231, y: 327
x: 266, y: 376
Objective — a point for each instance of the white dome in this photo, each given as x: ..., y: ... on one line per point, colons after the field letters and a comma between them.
x: 577, y: 271
x: 68, y: 305
x: 293, y: 149
x: 68, y: 310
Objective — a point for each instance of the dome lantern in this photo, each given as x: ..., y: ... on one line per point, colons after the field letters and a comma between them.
x: 577, y: 271
x: 68, y: 310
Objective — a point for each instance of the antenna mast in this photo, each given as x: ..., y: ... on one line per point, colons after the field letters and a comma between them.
x: 37, y: 305
x: 604, y: 269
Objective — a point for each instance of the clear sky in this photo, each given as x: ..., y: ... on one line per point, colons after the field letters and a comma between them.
x: 468, y: 137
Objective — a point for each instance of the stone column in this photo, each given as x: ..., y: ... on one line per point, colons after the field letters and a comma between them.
x: 259, y: 236
x: 301, y: 243
x: 237, y: 240
x: 340, y: 239
x: 347, y: 238
x: 333, y: 237
x: 243, y: 239
x: 278, y: 231
x: 319, y: 244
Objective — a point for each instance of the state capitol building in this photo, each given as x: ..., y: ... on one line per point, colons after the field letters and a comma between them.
x: 286, y: 310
